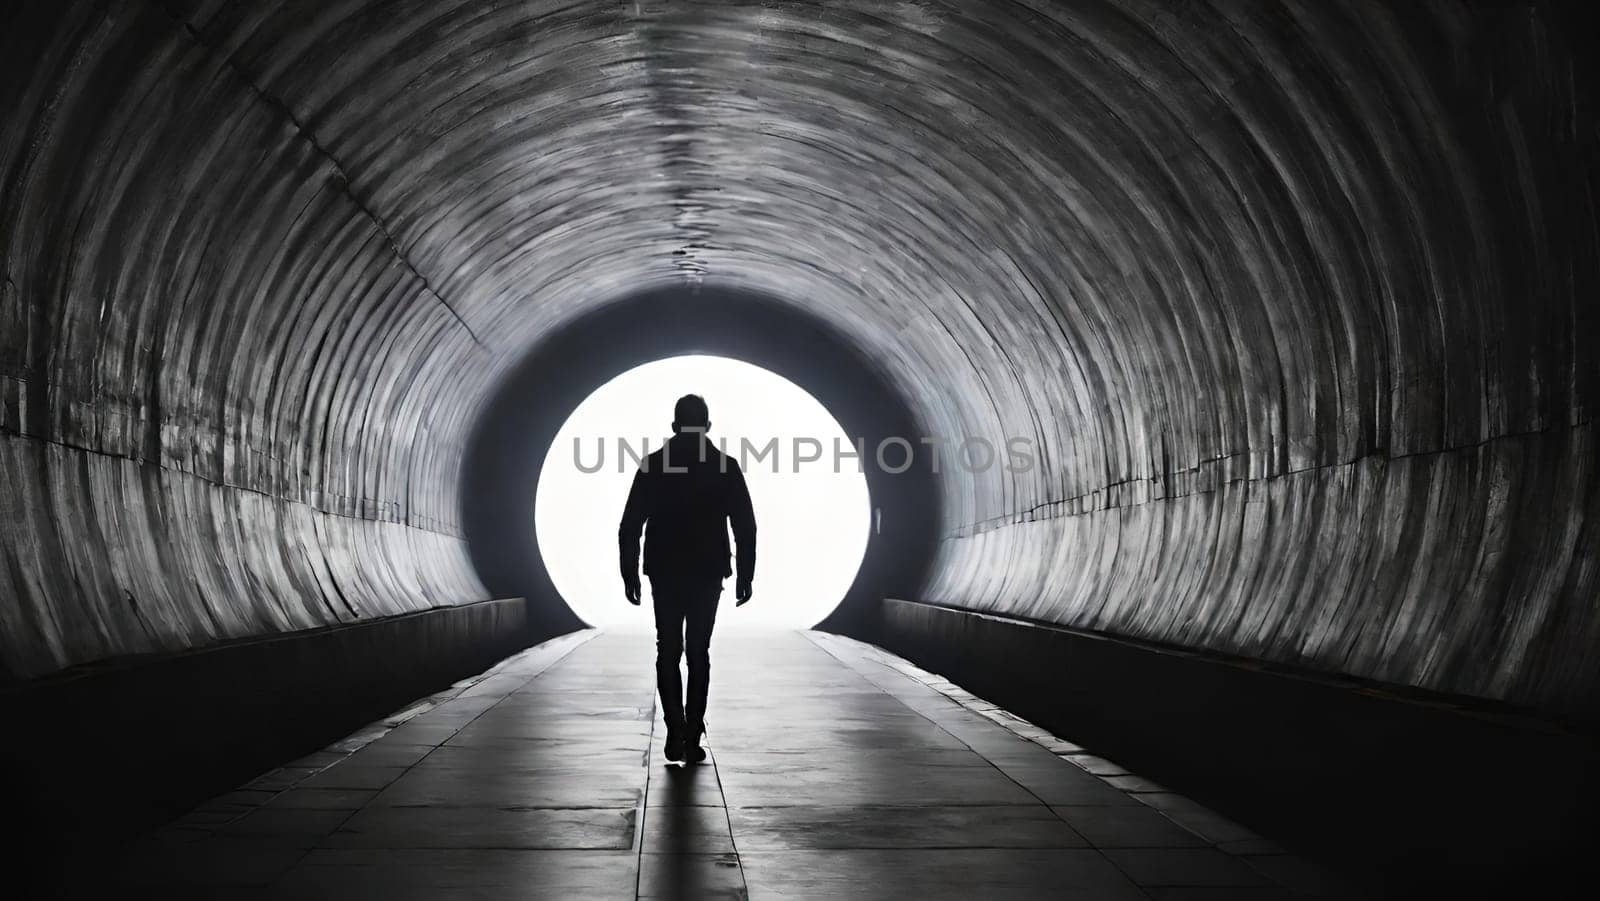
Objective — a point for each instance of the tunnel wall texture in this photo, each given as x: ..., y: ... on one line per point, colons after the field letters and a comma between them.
x: 1294, y: 299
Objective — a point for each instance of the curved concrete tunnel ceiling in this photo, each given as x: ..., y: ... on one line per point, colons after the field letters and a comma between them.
x: 1294, y: 300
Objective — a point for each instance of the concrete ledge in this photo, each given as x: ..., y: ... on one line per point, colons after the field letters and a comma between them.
x: 1402, y: 790
x: 102, y: 751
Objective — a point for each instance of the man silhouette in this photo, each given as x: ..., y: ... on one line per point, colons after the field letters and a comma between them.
x: 684, y: 496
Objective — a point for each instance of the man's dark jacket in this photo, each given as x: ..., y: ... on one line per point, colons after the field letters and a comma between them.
x: 683, y: 497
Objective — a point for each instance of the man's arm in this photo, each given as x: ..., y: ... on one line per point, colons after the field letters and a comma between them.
x: 743, y: 518
x: 634, y: 513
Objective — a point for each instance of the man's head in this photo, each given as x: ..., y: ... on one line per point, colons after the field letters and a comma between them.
x: 690, y: 414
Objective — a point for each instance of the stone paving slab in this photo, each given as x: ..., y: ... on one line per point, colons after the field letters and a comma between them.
x: 836, y: 770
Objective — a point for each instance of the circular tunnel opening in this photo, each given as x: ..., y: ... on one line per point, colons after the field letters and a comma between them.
x: 810, y: 494
x: 501, y: 472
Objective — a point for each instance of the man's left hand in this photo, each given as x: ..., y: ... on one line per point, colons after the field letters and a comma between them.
x: 634, y: 592
x: 742, y: 592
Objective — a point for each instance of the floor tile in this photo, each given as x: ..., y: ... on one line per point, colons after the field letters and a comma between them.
x: 474, y: 827
x: 1183, y: 866
x: 481, y: 875
x: 353, y: 775
x: 686, y: 876
x: 567, y: 787
x: 1128, y: 827
x: 286, y: 824
x: 386, y: 753
x: 672, y: 785
x: 934, y: 875
x: 325, y: 798
x: 685, y: 829
x: 817, y: 828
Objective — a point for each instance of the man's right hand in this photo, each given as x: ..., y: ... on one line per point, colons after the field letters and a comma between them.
x: 631, y: 586
x: 742, y: 592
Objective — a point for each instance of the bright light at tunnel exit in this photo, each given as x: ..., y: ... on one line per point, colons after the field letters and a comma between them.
x: 812, y: 524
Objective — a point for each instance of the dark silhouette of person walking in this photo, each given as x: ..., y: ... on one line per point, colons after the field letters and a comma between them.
x: 684, y: 497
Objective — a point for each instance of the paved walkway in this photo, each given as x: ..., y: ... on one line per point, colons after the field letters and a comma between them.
x: 836, y: 771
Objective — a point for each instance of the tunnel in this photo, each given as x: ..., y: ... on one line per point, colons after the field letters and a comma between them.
x: 1292, y: 304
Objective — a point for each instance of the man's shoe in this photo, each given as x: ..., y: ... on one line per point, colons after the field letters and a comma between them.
x: 692, y: 749
x: 675, y: 747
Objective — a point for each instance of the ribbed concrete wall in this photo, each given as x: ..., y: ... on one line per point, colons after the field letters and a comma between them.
x: 1294, y: 298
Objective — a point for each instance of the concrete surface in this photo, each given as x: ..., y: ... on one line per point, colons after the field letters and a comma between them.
x: 836, y: 771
